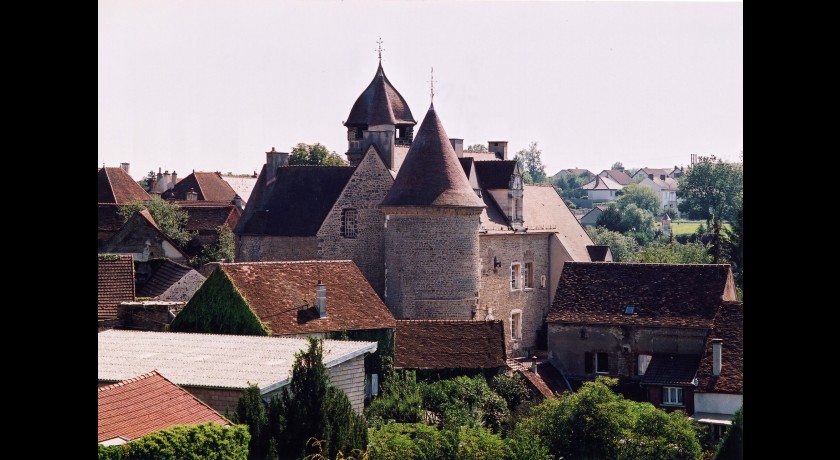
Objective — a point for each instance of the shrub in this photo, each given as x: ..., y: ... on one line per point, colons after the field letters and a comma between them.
x: 512, y: 388
x: 205, y: 441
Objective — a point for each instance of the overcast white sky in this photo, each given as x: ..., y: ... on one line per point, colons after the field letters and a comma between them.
x: 213, y: 84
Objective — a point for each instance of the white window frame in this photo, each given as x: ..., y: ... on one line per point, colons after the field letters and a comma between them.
x: 672, y: 396
x: 528, y: 275
x: 351, y: 228
x: 595, y: 367
x: 515, y: 276
x: 516, y: 332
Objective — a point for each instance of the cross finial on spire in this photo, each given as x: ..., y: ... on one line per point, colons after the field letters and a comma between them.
x: 379, y: 49
x: 432, y: 84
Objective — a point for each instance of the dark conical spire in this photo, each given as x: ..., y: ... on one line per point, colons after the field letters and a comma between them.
x: 431, y: 174
x: 380, y: 104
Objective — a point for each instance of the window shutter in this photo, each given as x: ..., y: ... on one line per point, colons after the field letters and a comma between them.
x: 587, y: 362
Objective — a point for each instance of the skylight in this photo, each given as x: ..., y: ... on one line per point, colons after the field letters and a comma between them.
x: 629, y: 309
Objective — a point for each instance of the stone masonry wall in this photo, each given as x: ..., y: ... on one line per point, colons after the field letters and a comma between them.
x: 496, y: 294
x: 260, y: 248
x: 221, y: 400
x: 365, y: 190
x: 432, y: 262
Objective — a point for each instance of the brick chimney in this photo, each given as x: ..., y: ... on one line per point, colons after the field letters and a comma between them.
x: 192, y: 195
x: 124, y: 167
x: 321, y: 299
x: 499, y: 148
x: 274, y: 160
x: 458, y: 145
x: 717, y: 349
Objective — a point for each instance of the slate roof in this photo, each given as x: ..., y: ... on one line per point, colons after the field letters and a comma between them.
x: 116, y: 186
x: 494, y: 174
x: 210, y: 186
x: 671, y: 369
x: 602, y: 183
x: 729, y: 326
x: 282, y: 294
x: 670, y: 295
x: 109, y: 221
x: 147, y: 403
x: 115, y: 283
x: 431, y: 174
x: 380, y: 104
x: 619, y: 176
x: 166, y: 274
x: 442, y: 344
x: 296, y: 203
x: 597, y: 253
x: 211, y: 360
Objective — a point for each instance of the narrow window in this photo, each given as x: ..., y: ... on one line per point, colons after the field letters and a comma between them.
x: 516, y: 325
x: 515, y: 274
x: 528, y: 275
x: 348, y: 223
x: 601, y: 363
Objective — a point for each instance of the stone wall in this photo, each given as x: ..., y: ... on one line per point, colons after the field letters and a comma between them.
x: 432, y: 262
x: 262, y: 248
x: 147, y: 315
x: 496, y: 295
x: 222, y: 400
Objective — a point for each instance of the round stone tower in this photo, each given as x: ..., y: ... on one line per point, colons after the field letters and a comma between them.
x: 431, y: 232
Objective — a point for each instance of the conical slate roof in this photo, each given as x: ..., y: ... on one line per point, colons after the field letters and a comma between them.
x: 380, y: 104
x: 431, y: 174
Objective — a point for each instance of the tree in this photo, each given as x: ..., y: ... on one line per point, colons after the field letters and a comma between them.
x: 617, y: 166
x: 734, y: 246
x: 170, y: 217
x: 479, y: 148
x: 732, y: 445
x: 400, y: 399
x: 673, y: 253
x: 622, y: 247
x: 222, y: 250
x: 314, y: 154
x: 711, y: 189
x: 629, y: 220
x: 530, y: 162
x: 250, y: 410
x: 641, y: 196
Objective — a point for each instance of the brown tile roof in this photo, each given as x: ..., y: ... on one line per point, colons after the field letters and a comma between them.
x: 209, y: 217
x: 116, y: 186
x: 672, y: 295
x: 166, y: 273
x: 282, y: 294
x: 115, y: 283
x: 443, y: 344
x: 210, y: 186
x: 729, y: 326
x: 619, y: 176
x: 109, y: 221
x: 380, y: 104
x: 494, y: 174
x: 671, y: 369
x: 602, y: 183
x: 147, y: 403
x: 296, y: 203
x: 431, y: 174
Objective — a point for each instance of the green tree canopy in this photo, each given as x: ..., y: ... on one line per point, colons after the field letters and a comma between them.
x: 314, y: 154
x: 711, y: 189
x: 622, y: 247
x: 531, y: 165
x: 481, y: 148
x: 732, y: 445
x: 673, y: 253
x: 170, y: 217
x: 641, y: 196
x: 222, y: 250
x: 618, y: 166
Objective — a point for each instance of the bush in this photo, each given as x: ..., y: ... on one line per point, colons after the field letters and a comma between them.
x: 465, y: 401
x: 400, y: 400
x: 512, y: 388
x: 396, y: 441
x: 205, y: 441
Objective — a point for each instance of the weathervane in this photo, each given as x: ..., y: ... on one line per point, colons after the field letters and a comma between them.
x: 379, y: 49
x: 432, y: 82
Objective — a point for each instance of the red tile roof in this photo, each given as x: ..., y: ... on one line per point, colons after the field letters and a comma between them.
x: 729, y: 326
x: 210, y: 186
x: 443, y: 344
x: 431, y: 174
x: 282, y: 294
x: 147, y: 403
x: 380, y: 104
x: 115, y: 284
x: 116, y: 186
x: 671, y: 295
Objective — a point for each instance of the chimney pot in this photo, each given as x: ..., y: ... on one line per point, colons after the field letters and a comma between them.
x: 124, y: 167
x: 717, y: 350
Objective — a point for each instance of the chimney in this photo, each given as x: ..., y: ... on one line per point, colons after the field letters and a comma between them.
x: 499, y: 148
x: 717, y: 345
x: 662, y: 177
x: 124, y: 167
x: 321, y: 299
x: 458, y: 145
x: 174, y: 178
x: 274, y: 160
x: 237, y: 201
x: 192, y: 195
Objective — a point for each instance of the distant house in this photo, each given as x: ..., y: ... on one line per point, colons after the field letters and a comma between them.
x: 217, y: 368
x: 201, y: 186
x: 117, y: 187
x: 205, y: 218
x: 632, y: 319
x: 602, y: 189
x: 652, y: 173
x: 149, y: 402
x: 665, y: 188
x: 163, y: 279
x: 591, y: 218
x: 115, y: 284
x: 141, y: 237
x: 720, y: 378
x: 572, y: 171
x: 449, y: 345
x: 618, y: 176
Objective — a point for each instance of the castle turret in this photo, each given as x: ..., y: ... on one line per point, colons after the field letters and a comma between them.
x: 431, y: 232
x: 380, y: 117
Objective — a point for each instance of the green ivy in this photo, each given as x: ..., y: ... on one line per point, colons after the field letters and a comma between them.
x: 219, y: 308
x: 205, y: 441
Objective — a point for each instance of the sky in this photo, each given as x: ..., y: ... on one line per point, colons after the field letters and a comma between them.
x: 212, y: 85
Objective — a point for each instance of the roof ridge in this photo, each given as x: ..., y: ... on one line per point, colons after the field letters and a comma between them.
x: 278, y: 262
x: 152, y: 373
x: 226, y: 336
x: 450, y: 321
